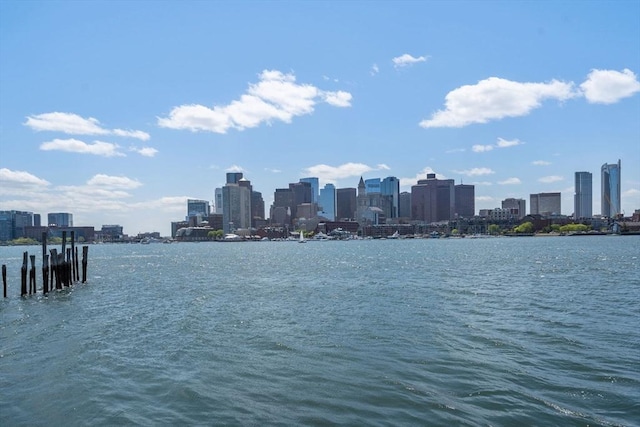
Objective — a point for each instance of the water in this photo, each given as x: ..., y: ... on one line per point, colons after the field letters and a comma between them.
x: 504, y: 331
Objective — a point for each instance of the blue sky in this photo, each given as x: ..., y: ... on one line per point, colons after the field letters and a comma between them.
x: 119, y: 111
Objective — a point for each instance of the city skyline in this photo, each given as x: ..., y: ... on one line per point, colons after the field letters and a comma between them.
x: 125, y: 126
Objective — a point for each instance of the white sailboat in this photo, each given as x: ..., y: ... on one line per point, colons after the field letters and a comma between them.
x: 302, y: 240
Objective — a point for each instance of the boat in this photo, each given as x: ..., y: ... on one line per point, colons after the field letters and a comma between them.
x: 302, y: 240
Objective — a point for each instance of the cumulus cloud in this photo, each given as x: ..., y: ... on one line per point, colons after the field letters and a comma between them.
x: 495, y: 98
x: 145, y: 151
x: 327, y: 173
x: 103, y: 180
x: 609, y: 86
x: 405, y: 60
x: 481, y: 148
x: 510, y: 181
x: 235, y: 168
x: 16, y: 182
x: 475, y: 172
x: 408, y: 182
x: 374, y: 69
x: 73, y: 124
x: 277, y: 96
x: 550, y: 179
x: 540, y: 163
x: 98, y: 148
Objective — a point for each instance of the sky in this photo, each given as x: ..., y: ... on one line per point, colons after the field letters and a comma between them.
x: 120, y: 111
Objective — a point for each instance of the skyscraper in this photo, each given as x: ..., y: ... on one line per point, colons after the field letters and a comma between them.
x: 315, y: 188
x: 516, y: 207
x: 198, y: 207
x: 433, y: 199
x: 610, y: 200
x: 327, y: 202
x: 236, y: 203
x: 465, y: 200
x: 390, y: 189
x: 582, y: 198
x: 545, y: 204
x: 60, y: 219
x: 345, y: 203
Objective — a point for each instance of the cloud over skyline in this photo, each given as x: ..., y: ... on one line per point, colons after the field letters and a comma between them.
x: 406, y: 60
x: 276, y: 97
x: 73, y: 124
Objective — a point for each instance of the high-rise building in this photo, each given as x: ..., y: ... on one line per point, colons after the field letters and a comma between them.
x: 197, y: 207
x: 13, y: 224
x: 60, y: 219
x: 610, y: 201
x: 545, y: 204
x: 390, y: 189
x: 236, y: 203
x: 516, y: 207
x: 433, y: 199
x: 404, y: 210
x: 583, y: 196
x: 257, y: 207
x: 218, y: 200
x: 327, y: 202
x: 315, y: 188
x: 465, y: 200
x: 345, y: 203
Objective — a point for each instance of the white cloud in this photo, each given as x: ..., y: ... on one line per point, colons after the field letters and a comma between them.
x: 456, y: 150
x: 408, y: 182
x: 406, y: 60
x: 550, y: 179
x: 482, y: 183
x: 337, y: 99
x: 17, y: 182
x: 609, y: 86
x: 138, y: 134
x: 475, y: 172
x: 503, y: 143
x: 276, y: 96
x: 103, y: 180
x: 493, y: 99
x: 66, y: 123
x: 540, y: 163
x: 327, y: 173
x: 73, y: 124
x: 235, y: 168
x: 374, y: 69
x: 484, y: 198
x: 481, y: 148
x: 145, y: 151
x: 510, y: 181
x: 273, y: 170
x: 98, y: 148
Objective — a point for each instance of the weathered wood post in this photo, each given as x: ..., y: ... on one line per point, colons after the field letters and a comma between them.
x: 77, y: 278
x: 61, y: 260
x: 45, y: 264
x: 67, y: 269
x: 45, y: 274
x: 4, y: 279
x: 32, y: 275
x: 73, y: 256
x: 85, y: 250
x: 23, y: 274
x: 52, y: 265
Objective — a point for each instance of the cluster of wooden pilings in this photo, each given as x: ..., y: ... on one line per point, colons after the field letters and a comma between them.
x: 59, y: 269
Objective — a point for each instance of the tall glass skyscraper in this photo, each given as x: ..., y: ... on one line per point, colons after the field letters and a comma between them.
x: 327, y: 202
x: 610, y: 200
x: 583, y: 196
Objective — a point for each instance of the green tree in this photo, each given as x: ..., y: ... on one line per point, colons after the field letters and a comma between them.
x: 524, y: 228
x: 493, y: 229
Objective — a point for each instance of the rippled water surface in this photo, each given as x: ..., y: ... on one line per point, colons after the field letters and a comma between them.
x: 502, y: 331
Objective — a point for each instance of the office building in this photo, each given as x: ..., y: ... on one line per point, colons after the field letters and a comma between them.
x: 197, y: 208
x: 327, y: 202
x: 404, y: 207
x: 582, y: 198
x: 610, y: 197
x: 465, y: 200
x: 390, y: 189
x: 345, y: 204
x: 236, y: 203
x: 315, y: 188
x: 517, y: 207
x: 433, y: 199
x: 60, y: 219
x: 545, y: 204
x: 218, y: 200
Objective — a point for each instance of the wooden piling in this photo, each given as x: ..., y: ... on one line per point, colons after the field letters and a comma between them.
x: 45, y: 274
x: 55, y: 271
x: 77, y: 270
x: 4, y: 279
x: 85, y: 250
x: 67, y: 269
x: 73, y: 256
x: 32, y: 275
x: 45, y: 264
x: 23, y: 274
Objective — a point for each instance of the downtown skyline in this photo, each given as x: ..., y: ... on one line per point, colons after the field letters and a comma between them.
x: 124, y: 126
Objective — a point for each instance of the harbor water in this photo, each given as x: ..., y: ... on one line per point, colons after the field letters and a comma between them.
x: 478, y: 332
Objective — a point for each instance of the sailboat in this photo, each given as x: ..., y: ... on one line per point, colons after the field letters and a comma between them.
x: 302, y: 238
